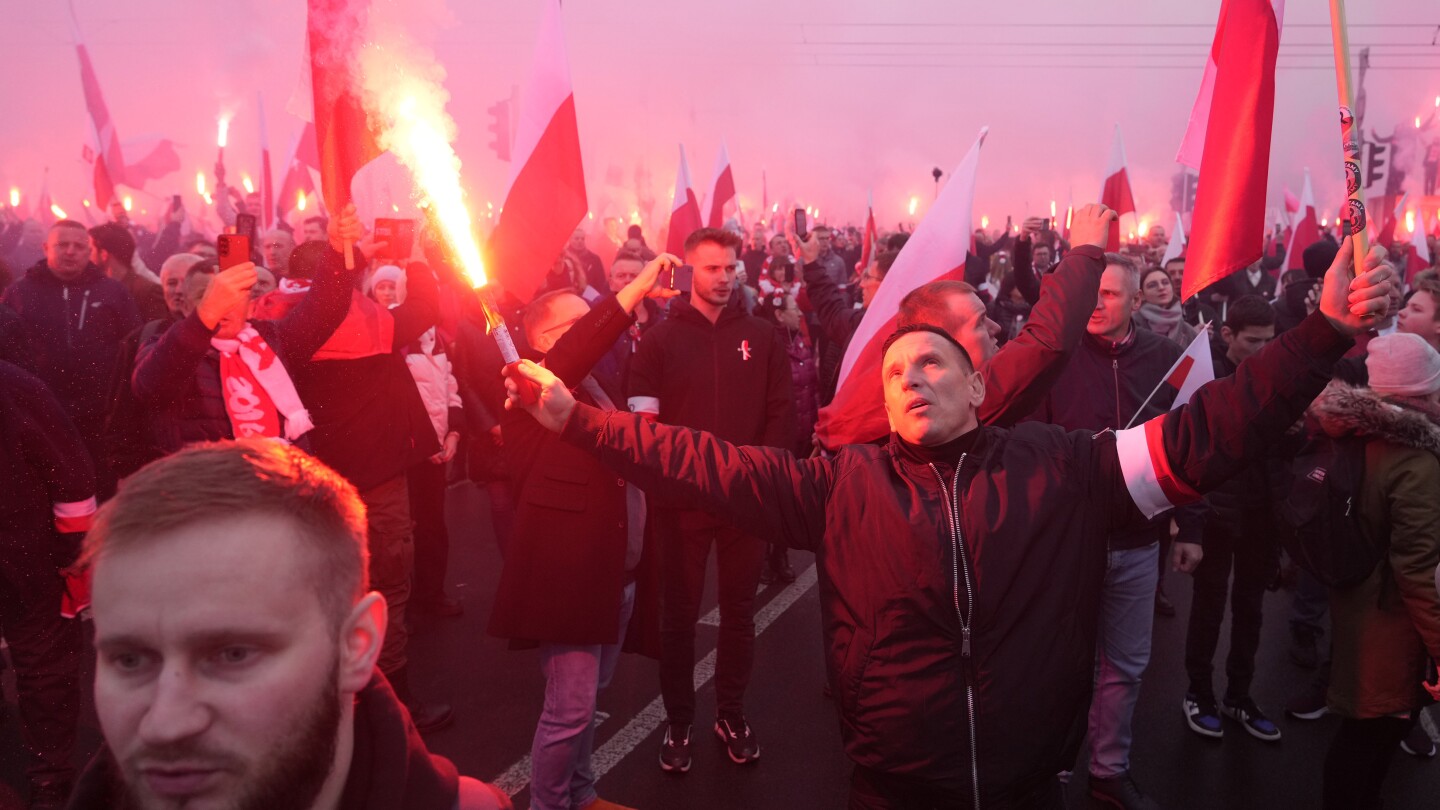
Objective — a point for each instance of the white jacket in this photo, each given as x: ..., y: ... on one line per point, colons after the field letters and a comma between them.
x: 436, y: 380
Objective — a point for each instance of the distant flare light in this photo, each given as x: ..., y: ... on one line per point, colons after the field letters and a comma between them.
x: 14, y: 197
x: 200, y: 183
x: 58, y: 211
x: 1052, y: 211
x: 1410, y: 221
x: 914, y: 203
x: 1144, y: 228
x: 299, y: 201
x: 249, y: 186
x: 223, y: 135
x: 984, y: 221
x: 128, y: 203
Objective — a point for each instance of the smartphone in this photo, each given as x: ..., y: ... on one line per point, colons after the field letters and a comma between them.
x: 245, y: 225
x: 802, y: 225
x: 234, y: 249
x: 176, y: 204
x: 678, y: 278
x: 1044, y: 224
x: 399, y: 234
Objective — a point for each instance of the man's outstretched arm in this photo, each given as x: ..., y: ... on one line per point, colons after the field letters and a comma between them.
x: 765, y: 491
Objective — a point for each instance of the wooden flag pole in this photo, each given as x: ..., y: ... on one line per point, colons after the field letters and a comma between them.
x: 1349, y: 133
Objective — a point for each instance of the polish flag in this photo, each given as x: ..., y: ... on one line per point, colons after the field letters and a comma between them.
x: 299, y: 179
x: 342, y: 127
x: 149, y: 157
x: 109, y: 160
x: 545, y: 200
x: 722, y: 188
x: 867, y: 250
x: 1418, y: 257
x: 936, y: 250
x: 1176, y: 247
x: 267, y: 188
x: 1116, y: 193
x: 1306, y: 231
x: 1386, y: 236
x: 1292, y: 207
x: 1237, y: 95
x: 1194, y: 368
x: 684, y: 211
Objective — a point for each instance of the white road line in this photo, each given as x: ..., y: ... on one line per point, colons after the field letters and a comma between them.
x: 642, y: 725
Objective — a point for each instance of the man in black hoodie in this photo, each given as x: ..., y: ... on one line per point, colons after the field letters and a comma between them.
x: 237, y: 641
x: 77, y: 318
x: 712, y: 367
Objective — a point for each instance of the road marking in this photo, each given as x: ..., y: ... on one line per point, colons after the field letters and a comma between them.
x: 517, y: 777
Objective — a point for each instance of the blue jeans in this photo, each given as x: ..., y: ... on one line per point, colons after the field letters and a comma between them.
x: 1127, y: 616
x: 560, y: 775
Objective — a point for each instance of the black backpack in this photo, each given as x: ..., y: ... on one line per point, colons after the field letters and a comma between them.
x: 1321, y: 511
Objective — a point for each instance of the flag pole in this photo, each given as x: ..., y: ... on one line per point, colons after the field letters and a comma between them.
x: 1349, y: 131
x: 1204, y: 330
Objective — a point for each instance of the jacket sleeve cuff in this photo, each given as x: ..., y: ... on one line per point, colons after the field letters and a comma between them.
x: 1317, y: 339
x: 1089, y: 252
x: 585, y: 426
x: 193, y: 332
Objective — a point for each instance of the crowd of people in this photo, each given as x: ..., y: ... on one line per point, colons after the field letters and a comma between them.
x: 247, y: 469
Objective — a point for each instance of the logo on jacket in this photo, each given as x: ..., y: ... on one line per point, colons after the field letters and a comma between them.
x: 744, y: 350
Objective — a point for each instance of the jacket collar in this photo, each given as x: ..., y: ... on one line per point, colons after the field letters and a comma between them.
x: 985, y: 444
x: 1112, y: 348
x: 1344, y: 410
x: 682, y: 309
x: 40, y: 272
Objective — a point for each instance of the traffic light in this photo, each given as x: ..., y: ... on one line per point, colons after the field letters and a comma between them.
x: 500, y: 125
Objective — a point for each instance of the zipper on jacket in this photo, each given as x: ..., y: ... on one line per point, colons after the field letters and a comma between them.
x: 69, y: 335
x: 84, y: 305
x: 1115, y: 369
x: 959, y: 565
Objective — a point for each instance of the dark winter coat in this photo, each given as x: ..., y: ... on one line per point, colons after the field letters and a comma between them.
x: 75, y: 329
x: 565, y: 566
x: 1016, y: 545
x: 805, y: 383
x: 44, y: 463
x: 1387, y: 628
x: 838, y: 319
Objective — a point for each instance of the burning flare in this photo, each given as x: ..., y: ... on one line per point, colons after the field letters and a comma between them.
x: 200, y: 183
x: 58, y: 211
x: 14, y: 197
x: 914, y: 203
x: 299, y: 201
x: 128, y: 203
x: 249, y: 186
x: 1410, y: 221
x: 223, y: 135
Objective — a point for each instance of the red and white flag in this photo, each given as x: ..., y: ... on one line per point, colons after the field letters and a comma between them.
x: 1117, y: 194
x: 1307, y: 228
x: 722, y: 189
x: 1231, y: 121
x: 44, y: 205
x: 546, y: 197
x: 342, y: 128
x: 149, y: 157
x: 1418, y: 257
x: 1292, y: 207
x: 684, y: 211
x: 267, y: 189
x: 1194, y: 368
x: 1175, y: 248
x: 298, y: 184
x: 867, y: 248
x: 109, y: 161
x: 936, y: 250
x: 1386, y: 235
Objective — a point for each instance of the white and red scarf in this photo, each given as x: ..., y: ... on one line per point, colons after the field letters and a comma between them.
x: 258, y: 390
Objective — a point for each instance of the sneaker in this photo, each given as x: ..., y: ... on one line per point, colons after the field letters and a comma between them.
x: 1121, y: 791
x: 1246, y: 713
x: 1202, y: 716
x: 1304, y: 651
x: 740, y: 742
x: 1418, y: 743
x: 675, y: 748
x: 1309, y: 704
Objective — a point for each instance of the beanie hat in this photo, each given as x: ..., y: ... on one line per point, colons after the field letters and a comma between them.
x: 1318, y: 258
x: 387, y: 272
x: 1404, y: 365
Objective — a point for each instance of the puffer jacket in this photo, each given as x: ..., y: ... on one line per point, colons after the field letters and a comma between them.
x: 1388, y: 627
x: 75, y: 329
x: 960, y: 613
x: 429, y: 364
x: 805, y: 382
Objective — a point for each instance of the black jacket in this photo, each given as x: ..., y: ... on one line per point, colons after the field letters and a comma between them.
x: 731, y: 377
x: 1238, y: 284
x: 1103, y: 387
x: 838, y: 319
x: 43, y: 463
x: 1026, y: 566
x: 75, y: 329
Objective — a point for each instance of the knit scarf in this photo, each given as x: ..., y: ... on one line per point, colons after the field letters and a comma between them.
x: 1162, y: 320
x: 258, y: 390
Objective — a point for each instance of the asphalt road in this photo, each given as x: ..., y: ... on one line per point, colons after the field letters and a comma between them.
x: 497, y: 694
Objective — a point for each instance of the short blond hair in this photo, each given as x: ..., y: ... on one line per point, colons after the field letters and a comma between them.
x: 216, y: 480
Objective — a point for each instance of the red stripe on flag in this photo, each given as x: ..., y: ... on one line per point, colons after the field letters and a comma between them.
x: 724, y: 193
x: 1176, y: 491
x: 342, y: 128
x: 543, y: 207
x: 1182, y: 370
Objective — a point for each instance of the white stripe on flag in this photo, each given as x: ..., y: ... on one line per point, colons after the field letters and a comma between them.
x: 1133, y: 447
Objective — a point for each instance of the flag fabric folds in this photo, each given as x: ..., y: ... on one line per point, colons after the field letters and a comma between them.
x: 1116, y: 193
x: 722, y: 189
x: 936, y: 250
x: 546, y: 196
x: 1176, y: 246
x: 1307, y: 228
x: 684, y: 211
x: 867, y: 248
x: 342, y: 129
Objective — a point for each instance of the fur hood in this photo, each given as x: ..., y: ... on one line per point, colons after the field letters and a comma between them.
x: 1343, y: 410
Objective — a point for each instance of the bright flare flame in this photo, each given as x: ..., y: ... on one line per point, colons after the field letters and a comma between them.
x: 984, y: 221
x: 1052, y: 211
x: 200, y: 183
x: 249, y: 186
x: 1144, y: 228
x: 817, y: 213
x: 1417, y: 122
x: 14, y: 197
x: 1132, y: 236
x: 299, y: 201
x: 775, y: 209
x: 85, y: 203
x: 421, y: 144
x: 1069, y: 215
x: 58, y: 211
x: 1410, y: 221
x: 128, y: 203
x: 1324, y: 222
x: 395, y: 208
x: 223, y: 135
x: 914, y: 203
x: 590, y: 214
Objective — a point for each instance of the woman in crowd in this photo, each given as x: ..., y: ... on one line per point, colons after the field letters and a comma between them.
x: 1160, y: 310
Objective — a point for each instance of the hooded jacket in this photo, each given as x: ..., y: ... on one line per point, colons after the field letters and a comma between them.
x: 959, y: 615
x: 1387, y: 628
x: 390, y: 768
x: 76, y: 328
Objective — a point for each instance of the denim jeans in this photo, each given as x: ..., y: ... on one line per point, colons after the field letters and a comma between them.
x: 1127, y: 615
x: 560, y: 775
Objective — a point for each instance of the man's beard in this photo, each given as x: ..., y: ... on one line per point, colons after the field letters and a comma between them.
x: 293, y: 771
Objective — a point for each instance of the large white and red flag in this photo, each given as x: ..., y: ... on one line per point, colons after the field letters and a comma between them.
x: 297, y: 187
x: 1418, y: 257
x: 1176, y: 246
x: 546, y: 198
x: 108, y: 159
x: 684, y: 210
x: 722, y: 189
x: 343, y: 134
x: 1307, y: 228
x: 1232, y: 120
x: 1292, y: 208
x: 936, y: 250
x: 871, y: 235
x: 1117, y: 193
